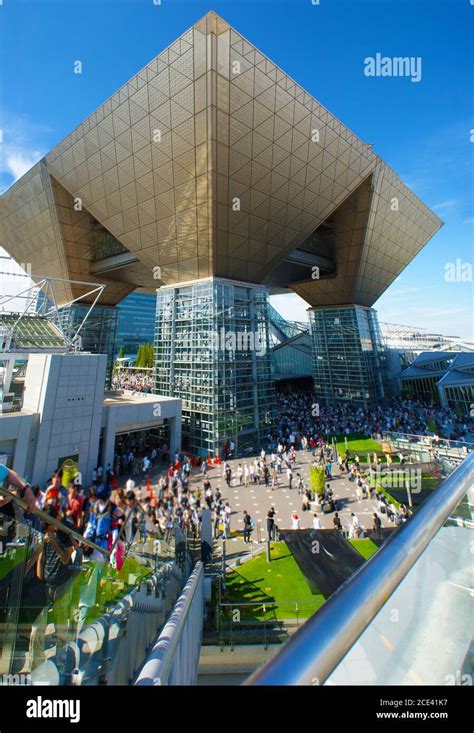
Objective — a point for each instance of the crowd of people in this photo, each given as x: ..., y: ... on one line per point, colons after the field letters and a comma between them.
x: 99, y: 511
x: 135, y: 456
x: 145, y: 492
x: 133, y: 381
x: 98, y: 522
x: 299, y: 416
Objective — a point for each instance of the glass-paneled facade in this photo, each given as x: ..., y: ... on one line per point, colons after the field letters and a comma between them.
x: 103, y: 243
x: 212, y: 351
x: 98, y: 334
x: 293, y: 358
x: 460, y: 398
x: 136, y: 322
x: 349, y: 359
x: 421, y: 388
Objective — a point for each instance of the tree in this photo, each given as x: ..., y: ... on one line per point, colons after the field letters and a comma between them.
x: 316, y: 479
x: 145, y: 356
x: 151, y: 355
x: 121, y: 353
x: 139, y: 359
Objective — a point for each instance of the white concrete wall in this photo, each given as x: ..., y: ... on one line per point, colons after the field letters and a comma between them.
x: 20, y: 428
x: 63, y: 413
x: 140, y: 415
x: 67, y: 392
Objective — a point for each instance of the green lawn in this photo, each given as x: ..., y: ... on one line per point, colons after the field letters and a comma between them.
x: 11, y: 559
x: 359, y: 444
x: 280, y: 581
x: 397, y: 494
x: 365, y: 547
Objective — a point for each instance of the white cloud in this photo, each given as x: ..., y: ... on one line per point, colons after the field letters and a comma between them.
x: 435, y: 312
x: 18, y: 162
x: 445, y: 204
x: 24, y: 144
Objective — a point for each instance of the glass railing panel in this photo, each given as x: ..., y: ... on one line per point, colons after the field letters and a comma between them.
x: 40, y: 623
x: 423, y: 634
x: 19, y: 546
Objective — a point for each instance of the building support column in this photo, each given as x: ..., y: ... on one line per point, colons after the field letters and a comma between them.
x: 8, y: 373
x: 211, y: 350
x: 108, y: 439
x: 349, y: 357
x: 442, y: 395
x: 175, y: 435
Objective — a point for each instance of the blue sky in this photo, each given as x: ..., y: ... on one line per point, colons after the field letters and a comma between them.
x: 421, y: 129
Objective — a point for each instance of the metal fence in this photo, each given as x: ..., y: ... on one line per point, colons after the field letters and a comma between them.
x: 258, y: 622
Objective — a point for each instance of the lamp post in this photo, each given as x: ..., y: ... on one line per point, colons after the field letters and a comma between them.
x: 269, y: 551
x: 223, y: 563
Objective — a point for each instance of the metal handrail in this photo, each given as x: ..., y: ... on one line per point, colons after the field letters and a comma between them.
x: 267, y: 603
x: 428, y: 441
x: 160, y: 660
x: 315, y: 650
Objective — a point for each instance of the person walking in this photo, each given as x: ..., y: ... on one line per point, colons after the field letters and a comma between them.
x: 217, y: 520
x: 226, y: 515
x: 246, y: 475
x: 337, y: 522
x: 271, y: 523
x: 247, y: 527
x: 266, y: 474
x: 274, y: 477
x: 356, y: 526
x: 299, y: 483
x: 377, y: 524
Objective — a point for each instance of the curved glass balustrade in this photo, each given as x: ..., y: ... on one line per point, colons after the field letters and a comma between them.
x: 405, y: 617
x: 423, y: 634
x: 69, y: 634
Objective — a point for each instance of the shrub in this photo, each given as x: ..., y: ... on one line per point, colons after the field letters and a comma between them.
x: 316, y: 479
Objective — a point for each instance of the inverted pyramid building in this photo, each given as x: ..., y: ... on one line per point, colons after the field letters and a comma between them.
x: 216, y: 178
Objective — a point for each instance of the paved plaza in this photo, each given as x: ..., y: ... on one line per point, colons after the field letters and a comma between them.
x: 256, y: 499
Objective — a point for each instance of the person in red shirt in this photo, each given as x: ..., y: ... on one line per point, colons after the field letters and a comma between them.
x: 75, y: 502
x: 52, y: 495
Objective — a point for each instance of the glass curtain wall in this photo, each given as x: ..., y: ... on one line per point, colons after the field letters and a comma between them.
x: 136, y: 322
x: 421, y: 388
x: 99, y: 333
x: 460, y: 399
x: 212, y: 351
x: 349, y: 357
